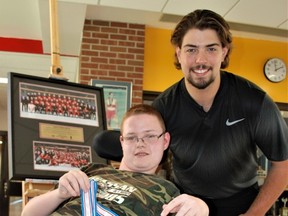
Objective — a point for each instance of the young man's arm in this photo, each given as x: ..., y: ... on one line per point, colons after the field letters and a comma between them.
x: 44, y: 204
x: 275, y: 183
x: 69, y: 186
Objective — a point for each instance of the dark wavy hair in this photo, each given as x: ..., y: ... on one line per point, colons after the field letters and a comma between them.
x: 203, y: 19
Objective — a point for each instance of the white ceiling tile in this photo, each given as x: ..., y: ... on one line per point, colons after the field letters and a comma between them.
x: 269, y: 13
x: 147, y: 18
x: 183, y: 7
x: 70, y: 27
x: 91, y: 2
x: 21, y: 21
x: 131, y: 16
x: 149, y: 5
x: 284, y: 26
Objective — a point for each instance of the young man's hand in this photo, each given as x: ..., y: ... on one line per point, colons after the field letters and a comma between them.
x: 186, y: 205
x: 71, y: 183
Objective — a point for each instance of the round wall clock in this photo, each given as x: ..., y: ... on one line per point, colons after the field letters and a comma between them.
x: 275, y: 70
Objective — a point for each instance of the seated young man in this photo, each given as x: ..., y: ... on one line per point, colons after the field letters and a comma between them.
x: 134, y: 189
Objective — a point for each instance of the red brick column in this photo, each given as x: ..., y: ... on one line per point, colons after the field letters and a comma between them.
x: 113, y: 51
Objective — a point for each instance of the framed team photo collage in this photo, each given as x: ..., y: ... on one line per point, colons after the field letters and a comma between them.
x: 52, y: 124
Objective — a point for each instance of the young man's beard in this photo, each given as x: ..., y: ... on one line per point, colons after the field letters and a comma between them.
x: 200, y: 83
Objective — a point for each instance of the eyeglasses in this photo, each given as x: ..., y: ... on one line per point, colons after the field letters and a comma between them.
x: 148, y: 139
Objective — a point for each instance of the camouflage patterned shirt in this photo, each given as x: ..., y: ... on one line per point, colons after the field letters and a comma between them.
x: 125, y: 193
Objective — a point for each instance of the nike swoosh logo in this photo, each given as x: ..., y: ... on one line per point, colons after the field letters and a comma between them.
x: 228, y: 123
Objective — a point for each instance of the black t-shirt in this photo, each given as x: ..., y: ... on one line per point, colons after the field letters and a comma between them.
x: 214, y: 152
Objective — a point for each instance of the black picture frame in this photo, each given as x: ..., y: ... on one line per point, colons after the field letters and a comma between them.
x: 283, y: 107
x: 150, y: 96
x: 69, y: 117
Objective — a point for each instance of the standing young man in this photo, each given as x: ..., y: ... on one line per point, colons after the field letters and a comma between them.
x: 216, y: 120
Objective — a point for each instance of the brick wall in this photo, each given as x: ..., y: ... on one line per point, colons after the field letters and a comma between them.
x: 113, y: 51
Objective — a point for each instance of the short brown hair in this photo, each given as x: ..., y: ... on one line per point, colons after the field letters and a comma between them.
x: 143, y: 109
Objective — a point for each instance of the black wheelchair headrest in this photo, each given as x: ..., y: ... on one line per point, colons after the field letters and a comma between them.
x: 107, y: 145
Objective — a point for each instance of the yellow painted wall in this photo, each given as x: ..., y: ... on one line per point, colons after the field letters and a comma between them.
x: 247, y: 60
